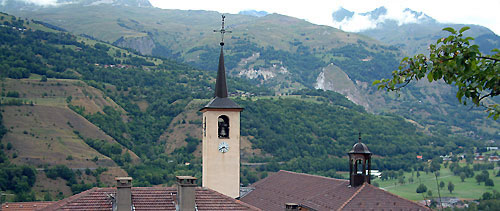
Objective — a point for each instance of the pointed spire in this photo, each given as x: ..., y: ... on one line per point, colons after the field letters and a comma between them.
x: 220, y: 84
x: 220, y: 99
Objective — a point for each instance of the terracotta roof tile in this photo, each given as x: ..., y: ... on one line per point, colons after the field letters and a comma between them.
x: 21, y: 206
x: 148, y: 198
x: 321, y: 193
x: 372, y: 197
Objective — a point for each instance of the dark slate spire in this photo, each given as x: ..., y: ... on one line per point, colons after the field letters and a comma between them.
x: 220, y: 99
x: 220, y: 84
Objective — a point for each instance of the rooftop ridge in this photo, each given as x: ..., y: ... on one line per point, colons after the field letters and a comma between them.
x: 227, y: 197
x: 352, y: 197
x: 31, y: 202
x: 312, y: 175
x: 58, y: 204
x: 313, y: 198
x: 153, y: 188
x: 25, y: 205
x: 147, y: 198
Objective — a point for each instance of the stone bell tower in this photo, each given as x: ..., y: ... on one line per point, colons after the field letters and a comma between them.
x: 359, y: 164
x: 221, y: 136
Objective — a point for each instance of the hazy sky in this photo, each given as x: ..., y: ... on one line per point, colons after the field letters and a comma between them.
x: 481, y: 12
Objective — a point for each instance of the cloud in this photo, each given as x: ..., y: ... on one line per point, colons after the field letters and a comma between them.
x: 41, y: 2
x: 55, y: 3
x: 355, y: 23
x: 369, y: 20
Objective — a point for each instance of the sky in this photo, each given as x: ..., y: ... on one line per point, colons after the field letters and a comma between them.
x: 481, y: 12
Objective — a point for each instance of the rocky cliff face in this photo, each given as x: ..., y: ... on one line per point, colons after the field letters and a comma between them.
x: 246, y: 68
x: 334, y: 79
x: 143, y: 45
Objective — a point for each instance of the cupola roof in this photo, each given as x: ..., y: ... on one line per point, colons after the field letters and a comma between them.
x: 359, y: 148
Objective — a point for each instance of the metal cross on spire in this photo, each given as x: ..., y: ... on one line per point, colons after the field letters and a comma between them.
x: 222, y: 31
x: 359, y: 137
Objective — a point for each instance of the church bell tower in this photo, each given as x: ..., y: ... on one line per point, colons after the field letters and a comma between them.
x: 221, y: 136
x: 360, y: 160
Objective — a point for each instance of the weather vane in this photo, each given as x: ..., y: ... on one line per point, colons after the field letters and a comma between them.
x: 222, y: 30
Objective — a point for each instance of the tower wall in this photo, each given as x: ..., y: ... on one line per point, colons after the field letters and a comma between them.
x: 221, y: 171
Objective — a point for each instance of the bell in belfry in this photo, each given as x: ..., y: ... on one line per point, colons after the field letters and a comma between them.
x: 223, y: 132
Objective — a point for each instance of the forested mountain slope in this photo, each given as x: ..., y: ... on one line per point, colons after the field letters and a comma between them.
x: 281, y: 53
x: 188, y: 36
x: 134, y: 99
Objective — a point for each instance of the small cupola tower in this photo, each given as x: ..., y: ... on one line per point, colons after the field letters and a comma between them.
x: 359, y: 164
x: 221, y: 136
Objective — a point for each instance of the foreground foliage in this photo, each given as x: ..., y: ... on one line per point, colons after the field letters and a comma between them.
x: 455, y: 61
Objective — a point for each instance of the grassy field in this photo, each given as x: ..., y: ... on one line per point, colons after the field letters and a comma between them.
x: 44, y: 134
x: 41, y: 135
x: 55, y: 92
x: 50, y: 116
x: 469, y: 189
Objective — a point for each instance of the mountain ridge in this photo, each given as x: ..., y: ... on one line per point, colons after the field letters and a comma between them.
x: 282, y: 43
x: 150, y: 106
x: 413, y: 33
x: 32, y: 5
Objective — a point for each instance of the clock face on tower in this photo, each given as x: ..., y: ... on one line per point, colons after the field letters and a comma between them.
x: 223, y: 147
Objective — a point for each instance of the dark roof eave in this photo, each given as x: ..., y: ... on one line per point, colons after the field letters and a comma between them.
x: 363, y: 152
x: 221, y: 103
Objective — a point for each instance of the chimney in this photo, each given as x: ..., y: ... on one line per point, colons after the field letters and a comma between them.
x: 186, y: 193
x: 124, y: 193
x: 291, y: 207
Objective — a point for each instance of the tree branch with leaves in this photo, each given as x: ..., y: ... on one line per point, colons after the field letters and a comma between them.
x: 456, y: 61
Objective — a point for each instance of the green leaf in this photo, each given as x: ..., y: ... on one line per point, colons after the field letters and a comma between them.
x: 469, y: 38
x: 429, y: 76
x: 402, y: 79
x: 375, y: 82
x: 463, y: 29
x: 459, y: 96
x: 449, y: 29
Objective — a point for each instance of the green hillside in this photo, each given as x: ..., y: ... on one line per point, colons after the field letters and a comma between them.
x: 133, y: 100
x: 282, y: 54
x: 187, y: 35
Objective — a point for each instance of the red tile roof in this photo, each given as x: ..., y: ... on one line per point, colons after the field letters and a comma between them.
x: 21, y: 206
x: 322, y: 193
x: 145, y: 198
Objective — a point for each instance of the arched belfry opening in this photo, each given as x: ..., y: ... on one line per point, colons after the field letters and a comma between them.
x: 223, y: 126
x: 359, y: 164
